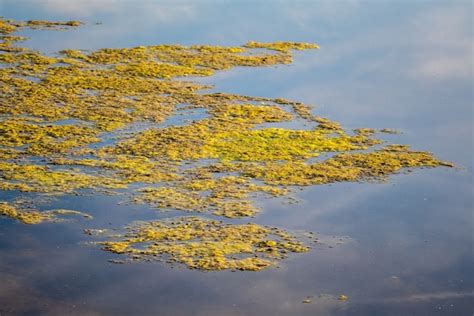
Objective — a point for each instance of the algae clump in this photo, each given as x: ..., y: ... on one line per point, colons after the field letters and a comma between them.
x: 32, y: 216
x: 205, y: 244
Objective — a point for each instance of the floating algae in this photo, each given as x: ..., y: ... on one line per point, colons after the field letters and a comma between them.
x: 226, y: 196
x: 281, y: 46
x: 63, y: 129
x: 205, y: 244
x: 40, y: 178
x: 375, y: 165
x: 39, y: 140
x: 32, y: 216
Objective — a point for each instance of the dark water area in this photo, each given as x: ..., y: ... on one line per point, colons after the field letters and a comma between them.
x: 401, y: 247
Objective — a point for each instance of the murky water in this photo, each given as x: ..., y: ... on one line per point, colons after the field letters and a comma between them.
x: 403, y: 247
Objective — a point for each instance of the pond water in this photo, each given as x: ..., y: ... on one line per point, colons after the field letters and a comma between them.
x: 402, y: 247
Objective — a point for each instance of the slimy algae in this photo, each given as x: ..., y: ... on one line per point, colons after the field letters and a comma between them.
x: 42, y: 140
x: 40, y: 178
x: 375, y: 165
x: 205, y: 244
x: 90, y: 120
x: 226, y: 196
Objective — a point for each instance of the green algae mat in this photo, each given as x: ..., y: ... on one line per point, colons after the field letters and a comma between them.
x: 86, y: 122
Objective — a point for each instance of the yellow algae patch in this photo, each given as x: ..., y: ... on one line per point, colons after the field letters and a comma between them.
x: 185, y: 200
x: 214, y: 57
x: 39, y: 139
x: 174, y: 198
x: 8, y: 153
x: 247, y: 115
x: 157, y: 70
x: 128, y: 168
x: 6, y: 27
x: 194, y: 141
x: 276, y: 144
x: 229, y: 135
x: 227, y: 196
x: 26, y: 217
x: 364, y: 131
x: 375, y: 165
x: 49, y: 24
x: 38, y: 178
x: 206, y: 244
x: 31, y: 216
x: 282, y: 46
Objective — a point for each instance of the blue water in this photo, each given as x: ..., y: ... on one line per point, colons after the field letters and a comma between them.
x: 403, y: 247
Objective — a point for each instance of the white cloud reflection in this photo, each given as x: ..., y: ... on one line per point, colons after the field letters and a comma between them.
x: 433, y: 44
x: 160, y: 10
x: 119, y: 12
x: 444, y: 50
x: 79, y: 8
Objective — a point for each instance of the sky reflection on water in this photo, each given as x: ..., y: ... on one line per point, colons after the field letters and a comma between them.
x: 400, y: 65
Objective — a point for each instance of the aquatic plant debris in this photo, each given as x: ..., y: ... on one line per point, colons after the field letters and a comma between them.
x: 82, y: 122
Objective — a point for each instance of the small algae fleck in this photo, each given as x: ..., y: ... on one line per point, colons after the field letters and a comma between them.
x: 83, y: 121
x: 205, y: 244
x: 342, y: 298
x: 389, y: 131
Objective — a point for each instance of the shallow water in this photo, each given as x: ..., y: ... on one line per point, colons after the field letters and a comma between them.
x: 403, y: 247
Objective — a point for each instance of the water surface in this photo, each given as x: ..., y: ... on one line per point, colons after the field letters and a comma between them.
x: 406, y: 245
